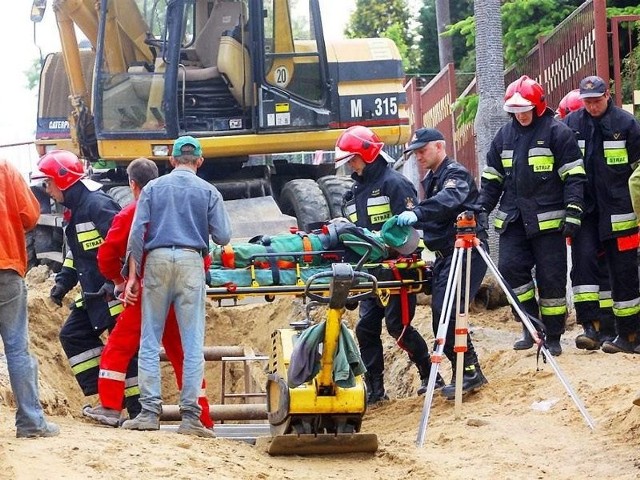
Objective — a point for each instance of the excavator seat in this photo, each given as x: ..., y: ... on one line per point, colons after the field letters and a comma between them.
x: 224, y: 16
x: 234, y: 66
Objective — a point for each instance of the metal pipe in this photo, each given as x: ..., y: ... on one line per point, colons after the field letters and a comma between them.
x: 251, y: 411
x: 215, y: 353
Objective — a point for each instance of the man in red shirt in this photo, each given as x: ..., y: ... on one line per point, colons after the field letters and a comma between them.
x: 124, y: 340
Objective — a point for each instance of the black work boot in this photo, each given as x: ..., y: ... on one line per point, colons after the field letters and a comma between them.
x: 553, y: 345
x: 589, y: 339
x: 526, y: 342
x: 472, y: 379
x: 621, y: 344
x: 422, y: 389
x: 375, y: 388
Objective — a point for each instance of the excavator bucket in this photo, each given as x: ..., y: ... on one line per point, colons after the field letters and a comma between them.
x: 309, y: 444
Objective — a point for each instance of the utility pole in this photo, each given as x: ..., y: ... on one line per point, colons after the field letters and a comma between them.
x: 443, y: 20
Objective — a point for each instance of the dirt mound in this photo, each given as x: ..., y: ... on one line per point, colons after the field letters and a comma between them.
x: 521, y: 425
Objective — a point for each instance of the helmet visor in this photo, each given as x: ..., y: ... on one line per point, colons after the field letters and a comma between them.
x: 342, y: 156
x: 517, y: 104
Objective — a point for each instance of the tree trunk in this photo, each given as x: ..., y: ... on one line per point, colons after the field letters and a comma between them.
x: 443, y: 20
x: 490, y: 83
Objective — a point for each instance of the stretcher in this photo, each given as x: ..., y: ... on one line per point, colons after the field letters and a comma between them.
x: 408, y: 274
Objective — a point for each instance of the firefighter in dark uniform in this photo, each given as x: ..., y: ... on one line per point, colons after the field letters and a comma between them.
x: 91, y: 214
x: 535, y: 169
x: 378, y: 193
x: 611, y: 141
x: 449, y: 190
x: 591, y: 298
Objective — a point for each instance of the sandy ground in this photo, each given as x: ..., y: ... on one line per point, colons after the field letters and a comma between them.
x: 523, y: 425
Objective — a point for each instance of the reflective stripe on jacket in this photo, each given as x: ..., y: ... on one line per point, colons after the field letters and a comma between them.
x: 611, y: 146
x: 91, y: 217
x: 534, y: 172
x: 378, y: 194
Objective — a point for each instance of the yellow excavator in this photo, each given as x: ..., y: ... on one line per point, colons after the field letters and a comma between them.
x: 314, y: 413
x: 253, y: 80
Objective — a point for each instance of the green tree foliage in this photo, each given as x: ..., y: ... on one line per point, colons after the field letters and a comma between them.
x: 520, y: 33
x: 33, y: 74
x: 428, y: 62
x: 384, y: 18
x: 396, y: 33
x: 372, y: 18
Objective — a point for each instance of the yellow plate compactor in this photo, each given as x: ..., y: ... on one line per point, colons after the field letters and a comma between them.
x: 319, y: 416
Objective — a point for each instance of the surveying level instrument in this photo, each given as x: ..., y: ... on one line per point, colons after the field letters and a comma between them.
x: 466, y: 240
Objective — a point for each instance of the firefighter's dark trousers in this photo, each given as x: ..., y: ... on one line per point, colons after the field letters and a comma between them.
x: 590, y: 278
x: 546, y: 252
x: 369, y: 329
x: 83, y: 346
x: 622, y: 262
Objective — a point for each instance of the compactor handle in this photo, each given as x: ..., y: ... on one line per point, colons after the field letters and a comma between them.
x: 343, y: 280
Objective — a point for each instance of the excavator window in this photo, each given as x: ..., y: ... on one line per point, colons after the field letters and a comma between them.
x: 291, y: 54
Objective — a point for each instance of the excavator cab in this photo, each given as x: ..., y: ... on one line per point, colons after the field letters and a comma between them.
x: 209, y: 67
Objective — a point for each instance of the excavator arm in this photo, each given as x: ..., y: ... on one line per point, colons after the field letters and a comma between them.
x: 126, y: 30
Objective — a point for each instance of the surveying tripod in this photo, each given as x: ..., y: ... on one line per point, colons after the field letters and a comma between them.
x: 466, y: 240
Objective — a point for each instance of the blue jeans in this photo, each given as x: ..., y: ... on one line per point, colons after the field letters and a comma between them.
x: 22, y: 367
x: 172, y: 276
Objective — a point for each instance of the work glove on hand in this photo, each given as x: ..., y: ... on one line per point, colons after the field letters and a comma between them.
x: 571, y: 220
x: 482, y: 220
x: 406, y: 218
x: 57, y: 293
x: 107, y: 291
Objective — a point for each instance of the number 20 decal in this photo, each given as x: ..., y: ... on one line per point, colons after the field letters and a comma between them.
x: 281, y: 76
x: 386, y: 106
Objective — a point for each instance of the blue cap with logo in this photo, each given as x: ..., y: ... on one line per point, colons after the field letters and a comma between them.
x: 186, y: 140
x: 592, y: 86
x: 422, y: 136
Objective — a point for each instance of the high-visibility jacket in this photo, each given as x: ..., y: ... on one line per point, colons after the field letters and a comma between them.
x: 91, y: 217
x: 611, y: 146
x: 378, y: 194
x: 535, y: 172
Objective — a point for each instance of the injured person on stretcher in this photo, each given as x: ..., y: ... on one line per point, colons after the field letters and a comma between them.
x: 291, y: 258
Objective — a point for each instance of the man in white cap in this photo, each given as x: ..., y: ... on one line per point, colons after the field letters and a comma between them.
x: 449, y: 190
x: 610, y: 139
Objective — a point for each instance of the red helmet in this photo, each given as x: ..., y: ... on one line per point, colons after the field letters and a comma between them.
x: 570, y: 103
x: 63, y: 167
x: 357, y: 140
x: 523, y: 95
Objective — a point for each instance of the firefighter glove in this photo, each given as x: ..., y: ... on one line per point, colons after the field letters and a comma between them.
x: 483, y: 225
x: 571, y: 220
x: 57, y: 294
x: 406, y: 218
x: 107, y: 291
